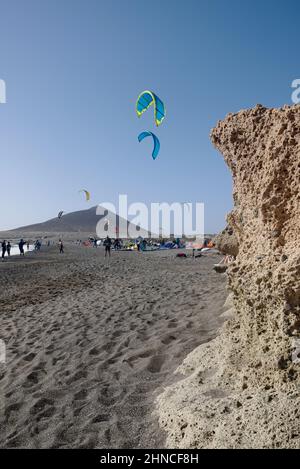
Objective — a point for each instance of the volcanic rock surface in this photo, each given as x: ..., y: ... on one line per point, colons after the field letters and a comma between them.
x: 243, y: 388
x: 226, y: 242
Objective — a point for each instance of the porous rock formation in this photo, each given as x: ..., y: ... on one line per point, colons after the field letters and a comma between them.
x: 243, y: 388
x: 226, y: 242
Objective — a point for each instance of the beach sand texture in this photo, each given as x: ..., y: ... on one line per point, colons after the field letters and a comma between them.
x: 91, y: 343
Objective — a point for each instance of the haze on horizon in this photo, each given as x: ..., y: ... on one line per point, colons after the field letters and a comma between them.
x: 73, y: 70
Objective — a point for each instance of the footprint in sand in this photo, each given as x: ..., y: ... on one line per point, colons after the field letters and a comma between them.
x: 77, y: 376
x: 12, y: 408
x: 80, y: 395
x: 43, y: 408
x: 101, y: 418
x: 94, y: 351
x: 32, y: 379
x: 168, y: 339
x: 172, y: 324
x: 29, y: 357
x: 156, y: 363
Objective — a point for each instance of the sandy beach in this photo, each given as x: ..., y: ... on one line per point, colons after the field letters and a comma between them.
x: 168, y: 137
x: 92, y: 342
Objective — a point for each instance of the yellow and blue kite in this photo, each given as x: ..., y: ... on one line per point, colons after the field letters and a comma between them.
x: 145, y: 100
x: 86, y: 193
x: 155, y: 141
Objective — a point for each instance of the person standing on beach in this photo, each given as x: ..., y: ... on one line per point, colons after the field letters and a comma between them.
x: 117, y: 244
x: 4, y: 247
x: 21, y: 247
x: 37, y: 245
x: 61, y: 247
x: 107, y: 243
x: 8, y: 247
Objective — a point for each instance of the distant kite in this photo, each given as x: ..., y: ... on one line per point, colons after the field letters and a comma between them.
x: 87, y: 194
x: 145, y: 100
x: 155, y: 141
x: 60, y: 214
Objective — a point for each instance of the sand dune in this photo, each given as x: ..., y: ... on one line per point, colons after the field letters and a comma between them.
x: 91, y: 343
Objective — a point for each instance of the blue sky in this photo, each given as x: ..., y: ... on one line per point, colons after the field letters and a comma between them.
x: 73, y: 70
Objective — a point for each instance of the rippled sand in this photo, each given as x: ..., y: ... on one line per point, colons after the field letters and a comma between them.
x: 91, y: 342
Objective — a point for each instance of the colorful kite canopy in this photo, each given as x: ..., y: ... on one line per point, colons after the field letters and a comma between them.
x: 145, y: 100
x: 155, y: 141
x: 87, y: 194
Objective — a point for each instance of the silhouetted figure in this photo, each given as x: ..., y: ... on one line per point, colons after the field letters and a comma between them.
x: 61, y: 247
x: 107, y: 243
x: 8, y: 248
x: 21, y: 247
x: 4, y: 248
x: 117, y: 244
x: 37, y: 245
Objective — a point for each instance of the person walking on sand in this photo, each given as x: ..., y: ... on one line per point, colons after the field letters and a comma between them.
x: 61, y: 247
x: 107, y: 243
x: 4, y: 248
x: 21, y: 247
x: 8, y: 248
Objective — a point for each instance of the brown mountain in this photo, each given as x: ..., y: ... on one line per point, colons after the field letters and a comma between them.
x: 72, y: 224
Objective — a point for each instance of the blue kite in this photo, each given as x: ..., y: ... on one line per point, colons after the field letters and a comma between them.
x: 155, y: 141
x: 145, y: 100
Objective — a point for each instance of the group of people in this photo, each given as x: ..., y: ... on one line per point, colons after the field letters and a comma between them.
x: 6, y: 248
x: 107, y: 243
